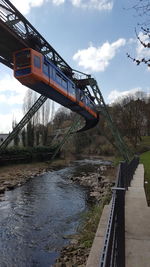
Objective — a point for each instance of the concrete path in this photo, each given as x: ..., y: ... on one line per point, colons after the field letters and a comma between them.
x: 137, y: 223
x: 96, y: 250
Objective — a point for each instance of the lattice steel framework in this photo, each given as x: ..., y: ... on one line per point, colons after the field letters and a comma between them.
x: 24, y: 35
x: 40, y: 101
x: 16, y: 33
x: 119, y: 141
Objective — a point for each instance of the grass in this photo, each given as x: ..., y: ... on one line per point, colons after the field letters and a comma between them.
x: 117, y: 160
x: 88, y: 231
x: 91, y: 220
x: 144, y: 145
x: 145, y: 159
x: 145, y: 141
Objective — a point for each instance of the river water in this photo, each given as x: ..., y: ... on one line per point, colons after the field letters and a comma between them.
x: 36, y: 217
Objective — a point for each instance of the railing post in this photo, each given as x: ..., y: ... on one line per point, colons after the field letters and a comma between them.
x: 123, y: 178
x: 113, y: 254
x: 120, y: 227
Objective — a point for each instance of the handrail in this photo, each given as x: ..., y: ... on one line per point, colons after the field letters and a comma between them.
x: 113, y: 254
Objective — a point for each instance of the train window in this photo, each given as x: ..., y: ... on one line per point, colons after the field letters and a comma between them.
x: 64, y: 83
x: 45, y: 68
x: 91, y: 104
x: 37, y: 62
x: 81, y: 96
x: 53, y: 73
x: 58, y: 78
x: 78, y: 94
x: 88, y: 102
x: 23, y: 59
x: 84, y: 99
x: 50, y: 70
x: 72, y: 90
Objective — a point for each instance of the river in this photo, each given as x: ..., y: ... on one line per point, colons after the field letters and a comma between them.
x: 36, y: 217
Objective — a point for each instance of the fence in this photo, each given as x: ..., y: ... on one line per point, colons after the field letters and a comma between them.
x: 113, y: 254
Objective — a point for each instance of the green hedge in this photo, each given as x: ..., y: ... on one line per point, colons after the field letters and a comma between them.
x: 145, y: 159
x: 22, y: 155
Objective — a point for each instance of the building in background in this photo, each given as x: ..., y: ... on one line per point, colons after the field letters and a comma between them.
x: 3, y: 137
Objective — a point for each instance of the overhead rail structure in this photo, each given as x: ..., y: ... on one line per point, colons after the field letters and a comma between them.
x: 17, y: 34
x: 40, y: 101
x: 119, y: 141
x: 90, y: 84
x: 73, y: 128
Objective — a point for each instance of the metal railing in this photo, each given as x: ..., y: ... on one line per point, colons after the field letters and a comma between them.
x: 113, y: 254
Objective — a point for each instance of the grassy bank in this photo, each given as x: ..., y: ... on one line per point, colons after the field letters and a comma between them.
x: 143, y: 146
x: 145, y: 159
x: 91, y: 221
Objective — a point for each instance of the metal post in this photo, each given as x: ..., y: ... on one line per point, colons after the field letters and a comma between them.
x: 124, y: 168
x: 120, y: 231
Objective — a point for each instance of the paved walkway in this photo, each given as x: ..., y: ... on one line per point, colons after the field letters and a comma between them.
x: 137, y: 226
x: 137, y: 223
x: 97, y: 247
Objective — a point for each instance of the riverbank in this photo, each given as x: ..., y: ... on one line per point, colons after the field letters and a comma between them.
x: 99, y: 184
x: 16, y: 175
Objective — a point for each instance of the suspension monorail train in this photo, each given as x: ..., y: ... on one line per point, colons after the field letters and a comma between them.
x: 35, y: 71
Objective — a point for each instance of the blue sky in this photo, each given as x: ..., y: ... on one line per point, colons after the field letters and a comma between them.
x: 93, y: 36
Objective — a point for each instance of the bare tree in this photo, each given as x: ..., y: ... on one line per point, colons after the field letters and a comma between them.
x: 142, y: 8
x: 129, y: 116
x: 42, y: 117
x: 16, y: 139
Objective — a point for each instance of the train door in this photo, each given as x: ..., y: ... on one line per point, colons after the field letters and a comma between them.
x: 79, y: 95
x: 46, y: 71
x: 72, y: 91
x: 37, y: 64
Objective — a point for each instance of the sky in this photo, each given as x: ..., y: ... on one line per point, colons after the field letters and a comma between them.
x: 92, y: 36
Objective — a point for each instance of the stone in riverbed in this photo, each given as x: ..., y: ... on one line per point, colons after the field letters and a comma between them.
x: 94, y: 194
x: 10, y: 187
x: 58, y: 264
x: 68, y: 264
x: 6, y: 183
x: 74, y: 242
x: 2, y: 190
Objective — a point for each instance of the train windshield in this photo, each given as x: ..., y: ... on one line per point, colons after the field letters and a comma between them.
x: 23, y: 59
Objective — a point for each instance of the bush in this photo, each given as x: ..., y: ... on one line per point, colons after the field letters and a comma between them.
x: 19, y: 155
x: 145, y: 159
x: 107, y: 150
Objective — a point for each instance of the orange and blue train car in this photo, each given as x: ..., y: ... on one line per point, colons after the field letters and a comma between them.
x: 37, y: 72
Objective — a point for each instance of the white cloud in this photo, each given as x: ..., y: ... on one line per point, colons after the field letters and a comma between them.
x: 11, y: 93
x: 6, y: 119
x: 116, y: 95
x: 58, y: 2
x: 131, y: 41
x: 141, y: 51
x: 11, y: 100
x: 98, y: 58
x: 93, y: 4
x: 26, y: 5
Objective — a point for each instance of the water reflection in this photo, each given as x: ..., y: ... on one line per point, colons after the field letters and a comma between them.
x: 35, y: 217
